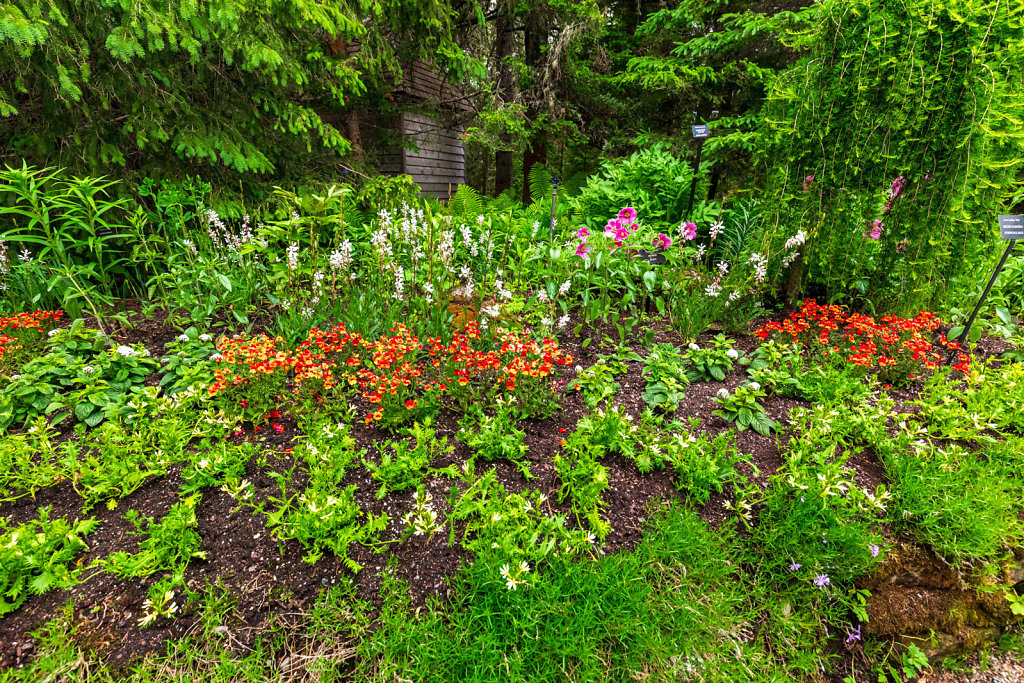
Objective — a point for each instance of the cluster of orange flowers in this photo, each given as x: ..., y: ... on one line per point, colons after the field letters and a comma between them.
x: 16, y: 329
x: 892, y: 344
x: 398, y: 368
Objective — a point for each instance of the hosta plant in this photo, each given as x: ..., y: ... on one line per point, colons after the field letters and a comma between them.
x: 711, y: 363
x: 743, y: 407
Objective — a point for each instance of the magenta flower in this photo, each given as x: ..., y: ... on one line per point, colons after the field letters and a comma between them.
x: 582, y: 250
x: 876, y: 229
x: 808, y: 181
x: 688, y: 231
x: 622, y: 233
x: 627, y: 214
x: 611, y: 227
x: 662, y: 241
x: 634, y: 227
x: 583, y: 233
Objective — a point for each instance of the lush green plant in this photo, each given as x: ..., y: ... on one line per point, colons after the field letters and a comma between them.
x: 743, y: 408
x: 189, y: 361
x: 402, y: 462
x: 666, y: 377
x: 597, y: 383
x: 322, y: 517
x: 702, y: 464
x: 273, y: 64
x: 169, y: 545
x: 583, y: 479
x: 938, y: 149
x: 496, y: 438
x: 711, y: 363
x: 34, y: 556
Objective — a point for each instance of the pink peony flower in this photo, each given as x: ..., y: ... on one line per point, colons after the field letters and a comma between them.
x: 622, y: 233
x: 688, y: 231
x: 611, y: 227
x: 582, y: 250
x: 627, y: 214
x: 583, y: 233
x: 662, y: 241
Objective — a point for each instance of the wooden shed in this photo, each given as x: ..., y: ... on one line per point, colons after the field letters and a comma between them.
x: 425, y: 138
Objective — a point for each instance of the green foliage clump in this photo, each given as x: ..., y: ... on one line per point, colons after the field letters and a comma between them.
x: 667, y: 377
x: 401, y: 467
x: 34, y: 557
x: 497, y: 437
x: 892, y: 146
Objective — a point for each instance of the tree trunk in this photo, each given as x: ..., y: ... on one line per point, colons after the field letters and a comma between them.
x: 537, y: 151
x: 505, y: 44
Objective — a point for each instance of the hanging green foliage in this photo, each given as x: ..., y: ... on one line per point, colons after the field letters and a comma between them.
x: 894, y: 144
x: 223, y: 87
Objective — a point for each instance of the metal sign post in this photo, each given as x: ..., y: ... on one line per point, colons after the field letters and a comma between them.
x: 700, y: 132
x: 1010, y: 228
x: 554, y: 203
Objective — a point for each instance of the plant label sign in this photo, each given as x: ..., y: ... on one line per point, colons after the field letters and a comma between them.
x: 701, y: 131
x: 1011, y: 227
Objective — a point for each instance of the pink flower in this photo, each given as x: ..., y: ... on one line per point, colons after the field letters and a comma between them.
x: 688, y: 231
x: 808, y: 181
x: 662, y: 241
x: 582, y: 250
x: 876, y: 229
x: 627, y: 214
x: 622, y: 233
x: 583, y: 233
x: 277, y: 427
x: 611, y: 227
x: 634, y: 227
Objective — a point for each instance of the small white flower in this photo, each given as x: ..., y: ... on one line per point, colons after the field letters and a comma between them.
x: 215, y: 357
x: 755, y: 386
x: 183, y: 338
x: 732, y: 353
x: 205, y: 338
x: 53, y: 333
x: 723, y: 393
x: 126, y: 351
x: 693, y: 347
x: 88, y: 369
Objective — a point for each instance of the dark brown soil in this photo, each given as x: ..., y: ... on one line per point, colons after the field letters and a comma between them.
x: 266, y: 580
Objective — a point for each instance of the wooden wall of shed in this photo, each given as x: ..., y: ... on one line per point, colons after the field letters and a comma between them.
x: 439, y: 164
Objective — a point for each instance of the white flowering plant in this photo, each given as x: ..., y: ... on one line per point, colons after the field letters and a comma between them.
x: 743, y: 407
x: 712, y: 362
x: 512, y: 527
x: 189, y: 361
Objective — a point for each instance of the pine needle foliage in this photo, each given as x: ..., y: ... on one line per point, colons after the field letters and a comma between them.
x: 222, y: 87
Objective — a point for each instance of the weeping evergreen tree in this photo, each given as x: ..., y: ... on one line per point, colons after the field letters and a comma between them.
x: 229, y: 88
x: 894, y: 145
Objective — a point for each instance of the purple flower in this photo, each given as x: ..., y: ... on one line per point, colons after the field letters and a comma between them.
x: 874, y: 550
x: 853, y: 635
x: 662, y: 241
x: 822, y: 580
x: 627, y: 214
x: 688, y: 231
x: 793, y: 567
